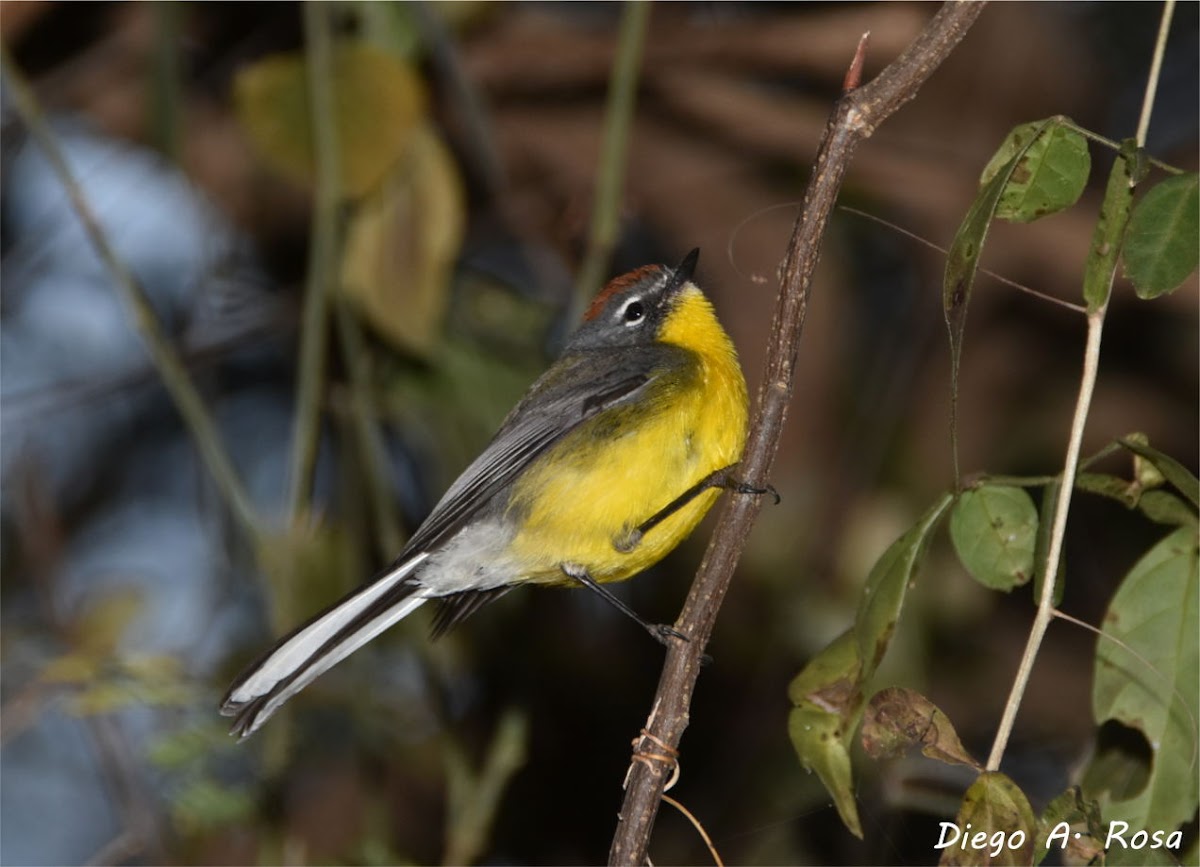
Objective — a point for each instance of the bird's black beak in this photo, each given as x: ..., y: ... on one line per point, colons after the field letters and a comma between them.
x: 682, y: 274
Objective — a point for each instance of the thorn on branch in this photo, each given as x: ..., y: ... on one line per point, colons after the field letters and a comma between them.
x: 854, y: 73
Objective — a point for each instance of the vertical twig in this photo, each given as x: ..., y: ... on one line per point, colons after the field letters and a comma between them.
x: 854, y: 118
x: 1087, y: 385
x: 1045, y: 612
x: 618, y: 121
x: 166, y: 84
x: 364, y: 418
x: 166, y: 360
x: 1160, y: 48
x: 322, y: 259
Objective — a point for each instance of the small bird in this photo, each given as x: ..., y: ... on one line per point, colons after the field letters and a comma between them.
x: 605, y: 465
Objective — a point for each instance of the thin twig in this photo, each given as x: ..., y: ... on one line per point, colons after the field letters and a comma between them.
x: 1091, y: 364
x: 712, y: 850
x: 854, y: 118
x: 162, y: 351
x: 1160, y: 48
x: 1021, y: 287
x: 364, y: 419
x: 1045, y: 612
x: 610, y: 177
x: 322, y: 259
x: 1116, y: 146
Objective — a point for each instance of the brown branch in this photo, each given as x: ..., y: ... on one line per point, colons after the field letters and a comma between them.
x: 853, y: 119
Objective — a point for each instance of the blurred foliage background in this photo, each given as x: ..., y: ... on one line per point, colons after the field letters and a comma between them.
x: 469, y: 139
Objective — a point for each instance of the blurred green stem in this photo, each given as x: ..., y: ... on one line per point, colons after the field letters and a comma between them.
x: 166, y: 84
x: 322, y: 259
x: 364, y: 415
x: 610, y: 177
x: 166, y: 360
x: 473, y: 799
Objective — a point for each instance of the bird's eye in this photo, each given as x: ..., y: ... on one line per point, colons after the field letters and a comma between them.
x: 634, y: 312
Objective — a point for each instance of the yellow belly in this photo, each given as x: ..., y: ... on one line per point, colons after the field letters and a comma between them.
x: 622, y: 467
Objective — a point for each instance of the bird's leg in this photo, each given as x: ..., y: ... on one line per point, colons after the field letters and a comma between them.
x: 660, y: 631
x: 722, y: 478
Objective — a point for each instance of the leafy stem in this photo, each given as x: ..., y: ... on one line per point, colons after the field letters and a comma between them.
x: 321, y: 262
x: 1114, y: 214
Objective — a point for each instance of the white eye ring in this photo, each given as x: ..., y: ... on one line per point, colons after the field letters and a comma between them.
x: 632, y: 312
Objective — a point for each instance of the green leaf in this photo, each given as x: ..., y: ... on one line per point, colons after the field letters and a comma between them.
x: 1148, y: 683
x: 1176, y: 473
x: 1110, y: 228
x: 827, y: 695
x: 1123, y: 491
x: 1162, y: 243
x: 831, y: 679
x: 402, y: 245
x: 1120, y: 763
x: 994, y: 805
x: 994, y: 530
x: 819, y: 738
x: 886, y: 587
x: 898, y: 718
x: 1163, y: 507
x: 1049, y: 175
x: 1072, y: 826
x: 379, y: 102
x: 962, y: 260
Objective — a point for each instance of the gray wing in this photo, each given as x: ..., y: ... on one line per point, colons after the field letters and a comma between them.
x: 554, y: 406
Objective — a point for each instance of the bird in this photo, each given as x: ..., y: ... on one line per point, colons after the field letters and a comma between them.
x: 607, y: 463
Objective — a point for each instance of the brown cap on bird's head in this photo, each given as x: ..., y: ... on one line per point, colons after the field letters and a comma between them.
x: 682, y: 274
x: 631, y: 307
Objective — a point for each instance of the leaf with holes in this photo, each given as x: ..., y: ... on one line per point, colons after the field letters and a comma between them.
x: 827, y: 699
x: 1146, y: 680
x: 994, y: 530
x: 898, y: 719
x: 1049, y: 176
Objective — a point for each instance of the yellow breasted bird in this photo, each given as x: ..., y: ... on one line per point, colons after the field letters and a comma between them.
x: 607, y: 463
